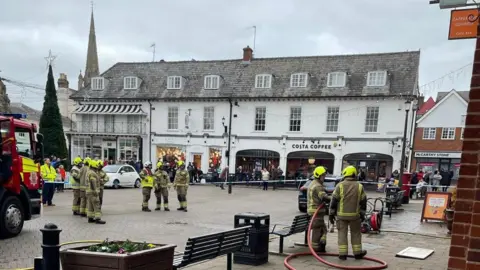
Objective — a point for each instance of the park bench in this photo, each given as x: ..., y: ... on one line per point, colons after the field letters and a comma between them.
x: 210, y: 246
x: 393, y: 200
x: 299, y: 225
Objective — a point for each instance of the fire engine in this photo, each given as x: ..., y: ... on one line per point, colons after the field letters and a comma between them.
x: 21, y: 152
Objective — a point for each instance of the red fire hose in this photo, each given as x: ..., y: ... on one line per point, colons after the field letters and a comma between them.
x: 312, y: 252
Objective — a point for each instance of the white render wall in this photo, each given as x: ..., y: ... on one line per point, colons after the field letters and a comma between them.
x: 450, y: 113
x: 314, y: 116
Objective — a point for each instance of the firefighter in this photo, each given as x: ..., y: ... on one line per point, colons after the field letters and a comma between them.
x: 83, y: 186
x: 103, y: 180
x: 347, y: 207
x: 75, y: 182
x: 92, y: 192
x: 147, y: 178
x: 181, y: 185
x: 162, y: 180
x: 316, y: 196
x: 48, y: 174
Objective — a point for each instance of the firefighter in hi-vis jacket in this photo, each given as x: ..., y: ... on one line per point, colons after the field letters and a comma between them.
x: 181, y: 185
x: 317, y: 196
x: 162, y: 181
x: 146, y: 176
x: 75, y: 182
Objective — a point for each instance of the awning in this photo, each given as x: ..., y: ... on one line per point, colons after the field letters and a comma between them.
x: 109, y: 109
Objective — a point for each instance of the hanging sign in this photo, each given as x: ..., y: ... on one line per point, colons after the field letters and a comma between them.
x: 460, y: 26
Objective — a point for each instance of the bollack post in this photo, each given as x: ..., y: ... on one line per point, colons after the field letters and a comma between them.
x: 51, y: 247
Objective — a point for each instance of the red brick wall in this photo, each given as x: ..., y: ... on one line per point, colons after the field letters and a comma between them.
x: 465, y: 244
x: 438, y: 144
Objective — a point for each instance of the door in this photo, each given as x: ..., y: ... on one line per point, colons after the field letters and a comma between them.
x: 197, y: 160
x: 124, y: 175
x: 444, y: 164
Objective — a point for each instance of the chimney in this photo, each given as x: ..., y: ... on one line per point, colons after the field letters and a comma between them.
x: 62, y: 81
x: 247, y: 54
x: 420, y: 100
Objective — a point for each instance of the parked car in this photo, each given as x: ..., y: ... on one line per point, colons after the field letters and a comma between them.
x: 330, y: 183
x: 121, y: 176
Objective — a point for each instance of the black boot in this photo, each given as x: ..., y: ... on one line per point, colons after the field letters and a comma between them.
x: 83, y: 215
x: 91, y: 220
x: 180, y: 209
x: 342, y: 257
x: 157, y: 209
x: 322, y: 248
x: 146, y: 209
x: 99, y: 221
x: 75, y: 213
x: 185, y: 210
x: 361, y: 255
x: 166, y: 209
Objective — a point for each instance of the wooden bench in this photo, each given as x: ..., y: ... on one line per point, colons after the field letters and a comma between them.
x: 210, y: 246
x: 300, y: 224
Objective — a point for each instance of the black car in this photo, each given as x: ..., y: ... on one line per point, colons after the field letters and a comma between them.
x: 330, y: 183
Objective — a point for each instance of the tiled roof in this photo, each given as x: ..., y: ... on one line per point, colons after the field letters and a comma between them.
x: 33, y: 114
x: 463, y: 94
x: 428, y: 105
x: 238, y: 78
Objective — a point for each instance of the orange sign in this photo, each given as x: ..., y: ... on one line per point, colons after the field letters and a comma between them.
x: 434, y: 205
x: 460, y: 26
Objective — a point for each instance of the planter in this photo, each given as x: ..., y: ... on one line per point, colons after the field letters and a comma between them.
x: 449, y: 219
x: 157, y: 258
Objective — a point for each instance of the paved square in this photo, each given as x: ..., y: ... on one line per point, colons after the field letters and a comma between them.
x: 212, y: 210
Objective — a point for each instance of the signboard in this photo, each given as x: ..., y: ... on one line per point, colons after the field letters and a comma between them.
x: 460, y: 26
x: 438, y: 154
x: 314, y: 146
x: 434, y: 205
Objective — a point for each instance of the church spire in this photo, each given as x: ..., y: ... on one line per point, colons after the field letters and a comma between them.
x: 91, y: 69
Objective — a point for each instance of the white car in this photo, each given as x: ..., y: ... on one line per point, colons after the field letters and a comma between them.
x: 121, y: 176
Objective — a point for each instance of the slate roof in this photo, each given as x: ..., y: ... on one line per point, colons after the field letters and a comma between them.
x: 33, y: 114
x: 464, y: 94
x: 238, y: 78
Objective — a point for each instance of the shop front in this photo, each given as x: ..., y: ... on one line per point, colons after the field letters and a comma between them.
x: 375, y: 166
x: 255, y: 159
x: 300, y: 164
x: 432, y: 161
x: 115, y: 150
x: 170, y: 154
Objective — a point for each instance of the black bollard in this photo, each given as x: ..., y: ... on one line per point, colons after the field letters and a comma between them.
x: 51, y: 247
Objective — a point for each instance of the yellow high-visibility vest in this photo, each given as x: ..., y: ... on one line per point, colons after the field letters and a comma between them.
x: 48, y: 173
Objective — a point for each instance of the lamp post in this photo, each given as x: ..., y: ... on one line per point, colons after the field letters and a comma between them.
x: 404, y: 140
x: 229, y: 133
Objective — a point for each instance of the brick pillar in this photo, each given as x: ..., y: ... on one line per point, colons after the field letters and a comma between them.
x: 465, y: 244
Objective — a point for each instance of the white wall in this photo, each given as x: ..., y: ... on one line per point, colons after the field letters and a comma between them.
x: 450, y: 113
x: 65, y: 104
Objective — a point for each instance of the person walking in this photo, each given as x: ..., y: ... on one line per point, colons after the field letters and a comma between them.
x: 83, y: 186
x: 49, y: 174
x: 181, y: 185
x: 92, y: 192
x: 75, y: 183
x: 348, y: 206
x: 63, y: 175
x: 265, y: 178
x: 223, y: 177
x: 161, y: 187
x: 146, y: 177
x: 316, y: 196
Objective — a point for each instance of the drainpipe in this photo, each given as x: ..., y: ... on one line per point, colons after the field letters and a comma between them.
x: 150, y: 132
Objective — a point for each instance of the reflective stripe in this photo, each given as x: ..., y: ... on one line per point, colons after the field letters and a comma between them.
x: 356, y: 248
x: 360, y: 188
x: 342, y: 202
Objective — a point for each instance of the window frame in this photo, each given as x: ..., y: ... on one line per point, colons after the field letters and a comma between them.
x: 171, y: 125
x: 257, y: 122
x: 127, y: 86
x: 370, y: 74
x: 429, y: 133
x: 337, y: 73
x: 262, y: 78
x: 292, y: 85
x: 95, y: 82
x: 211, y: 78
x: 27, y: 134
x: 330, y: 120
x: 172, y: 86
x: 368, y: 126
x: 209, y: 121
x: 448, y: 129
x: 291, y: 122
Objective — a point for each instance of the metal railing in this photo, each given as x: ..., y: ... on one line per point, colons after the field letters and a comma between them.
x: 109, y: 127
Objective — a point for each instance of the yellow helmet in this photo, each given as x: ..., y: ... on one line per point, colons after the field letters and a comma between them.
x: 180, y: 163
x: 94, y: 164
x: 159, y: 164
x: 319, y: 171
x: 77, y: 161
x: 86, y: 161
x: 349, y: 171
x: 100, y: 163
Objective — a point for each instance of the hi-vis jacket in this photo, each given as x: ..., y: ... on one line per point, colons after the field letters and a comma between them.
x: 181, y: 178
x: 83, y: 177
x: 75, y: 177
x: 161, y: 179
x: 48, y: 173
x: 348, y: 200
x: 147, y: 178
x: 103, y: 178
x: 316, y: 195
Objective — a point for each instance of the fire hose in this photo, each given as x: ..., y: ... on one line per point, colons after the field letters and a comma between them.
x: 382, y: 264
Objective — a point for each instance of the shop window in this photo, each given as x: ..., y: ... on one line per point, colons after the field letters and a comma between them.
x: 129, y: 149
x: 448, y: 133
x: 215, y: 159
x: 82, y: 147
x: 260, y: 118
x: 170, y: 154
x: 295, y: 119
x: 172, y: 118
x: 429, y: 133
x: 371, y: 119
x: 134, y: 124
x: 333, y: 114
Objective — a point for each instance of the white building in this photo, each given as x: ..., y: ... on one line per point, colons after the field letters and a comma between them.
x: 293, y: 112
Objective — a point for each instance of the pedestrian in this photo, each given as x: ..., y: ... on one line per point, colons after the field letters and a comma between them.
x: 436, y: 180
x: 445, y: 181
x: 181, y: 185
x: 265, y: 178
x: 83, y: 186
x: 316, y: 196
x: 223, y: 177
x: 147, y: 179
x: 413, y: 183
x: 348, y: 207
x: 75, y: 184
x: 162, y: 182
x: 49, y: 174
x: 92, y: 193
x: 103, y: 180
x: 63, y: 175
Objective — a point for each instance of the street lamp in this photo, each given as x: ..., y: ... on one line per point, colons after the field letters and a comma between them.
x: 228, y: 131
x: 404, y: 140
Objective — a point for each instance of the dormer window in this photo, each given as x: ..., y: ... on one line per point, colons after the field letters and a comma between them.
x: 130, y: 83
x: 174, y: 82
x: 263, y: 81
x: 336, y: 79
x: 377, y: 78
x: 299, y: 80
x: 97, y: 83
x: 212, y: 82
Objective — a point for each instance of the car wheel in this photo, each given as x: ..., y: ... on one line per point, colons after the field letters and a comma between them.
x: 137, y: 183
x: 116, y: 184
x: 12, y: 217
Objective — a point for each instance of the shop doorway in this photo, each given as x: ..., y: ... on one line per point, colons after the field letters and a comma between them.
x: 300, y: 164
x: 253, y: 159
x: 197, y: 161
x: 374, y: 166
x: 109, y: 151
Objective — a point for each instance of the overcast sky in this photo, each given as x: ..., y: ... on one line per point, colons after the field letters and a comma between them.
x: 219, y: 29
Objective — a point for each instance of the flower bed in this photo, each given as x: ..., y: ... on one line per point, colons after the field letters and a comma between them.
x: 119, y: 255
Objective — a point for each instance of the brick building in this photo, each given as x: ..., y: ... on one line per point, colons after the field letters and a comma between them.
x: 439, y: 134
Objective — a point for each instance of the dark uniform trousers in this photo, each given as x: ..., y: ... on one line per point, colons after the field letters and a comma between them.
x: 355, y: 236
x: 319, y: 231
x: 159, y: 193
x: 146, y: 192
